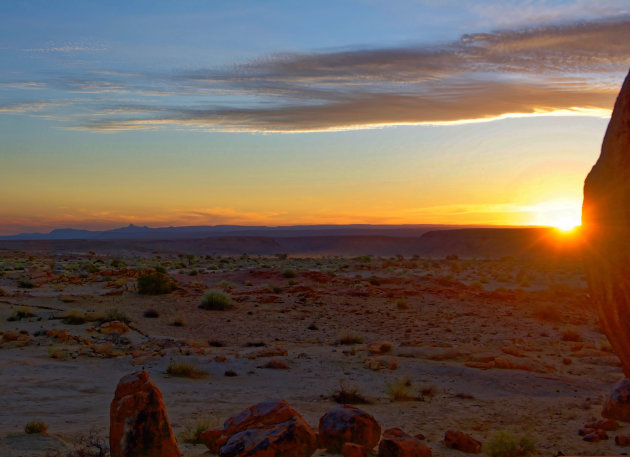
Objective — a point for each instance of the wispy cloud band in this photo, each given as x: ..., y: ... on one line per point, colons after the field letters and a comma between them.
x: 552, y: 68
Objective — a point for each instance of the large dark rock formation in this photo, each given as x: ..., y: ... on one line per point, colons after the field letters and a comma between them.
x: 606, y: 226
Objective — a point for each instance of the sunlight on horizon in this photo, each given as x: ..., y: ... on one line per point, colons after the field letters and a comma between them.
x: 564, y: 215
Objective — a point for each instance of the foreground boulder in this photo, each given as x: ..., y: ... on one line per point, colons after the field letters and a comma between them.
x: 139, y: 426
x: 617, y: 405
x: 396, y: 443
x: 269, y: 428
x: 348, y: 424
x: 606, y: 228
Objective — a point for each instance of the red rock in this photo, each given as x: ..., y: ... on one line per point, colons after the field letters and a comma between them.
x: 455, y: 439
x: 396, y: 443
x: 606, y: 228
x: 291, y: 438
x: 343, y: 424
x: 353, y: 450
x: 622, y: 440
x: 617, y: 405
x: 139, y: 426
x: 603, y: 424
x: 272, y: 421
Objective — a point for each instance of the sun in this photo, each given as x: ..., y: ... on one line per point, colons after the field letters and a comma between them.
x: 565, y: 215
x: 565, y: 224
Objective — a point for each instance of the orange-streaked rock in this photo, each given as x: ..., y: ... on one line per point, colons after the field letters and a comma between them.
x: 139, y: 426
x: 397, y: 443
x: 455, y: 439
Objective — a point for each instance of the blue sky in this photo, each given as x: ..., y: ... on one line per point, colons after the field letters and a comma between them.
x: 185, y: 113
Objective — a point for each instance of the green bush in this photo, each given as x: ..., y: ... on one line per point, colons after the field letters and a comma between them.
x: 505, y: 444
x: 155, y: 284
x: 25, y: 284
x: 185, y: 369
x: 289, y: 273
x: 216, y: 300
x: 114, y: 314
x: 36, y: 427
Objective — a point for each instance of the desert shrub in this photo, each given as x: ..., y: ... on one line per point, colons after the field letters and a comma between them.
x: 2, y: 292
x: 151, y: 313
x: 505, y: 444
x: 25, y: 284
x: 185, y: 369
x: 276, y: 364
x: 193, y: 430
x: 117, y: 263
x: 91, y: 268
x: 215, y: 300
x: 400, y: 389
x: 193, y: 273
x: 349, y: 337
x: 179, y: 320
x: 289, y: 273
x: 58, y: 353
x: 21, y: 312
x: 160, y: 269
x: 36, y: 427
x: 402, y: 303
x: 349, y: 395
x: 571, y: 334
x: 114, y: 314
x: 155, y: 284
x: 74, y: 317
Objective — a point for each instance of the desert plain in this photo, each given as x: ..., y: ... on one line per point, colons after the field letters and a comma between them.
x: 427, y: 344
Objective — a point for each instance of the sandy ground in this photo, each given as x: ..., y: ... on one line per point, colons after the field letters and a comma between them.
x: 486, y: 345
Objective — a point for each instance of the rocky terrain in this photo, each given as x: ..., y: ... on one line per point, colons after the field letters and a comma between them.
x: 426, y: 345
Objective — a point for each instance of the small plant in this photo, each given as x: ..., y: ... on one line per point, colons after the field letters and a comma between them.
x: 506, y: 444
x: 349, y: 395
x: 25, y: 284
x: 179, y: 320
x: 36, y: 427
x: 216, y: 300
x: 151, y: 313
x: 21, y: 312
x: 401, y: 389
x: 58, y: 353
x: 276, y: 364
x: 402, y: 303
x: 274, y: 289
x: 185, y: 369
x: 289, y: 273
x: 192, y: 431
x: 155, y: 284
x: 74, y: 317
x: 350, y: 337
x: 114, y: 314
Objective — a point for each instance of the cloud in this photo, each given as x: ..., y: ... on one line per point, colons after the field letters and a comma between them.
x: 564, y: 68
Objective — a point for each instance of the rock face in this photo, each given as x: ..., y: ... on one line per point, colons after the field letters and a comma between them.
x: 348, y: 424
x: 617, y: 405
x: 139, y: 426
x: 396, y: 443
x: 606, y: 227
x: 269, y: 428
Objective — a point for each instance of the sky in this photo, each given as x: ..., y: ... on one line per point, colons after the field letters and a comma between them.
x: 275, y: 113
